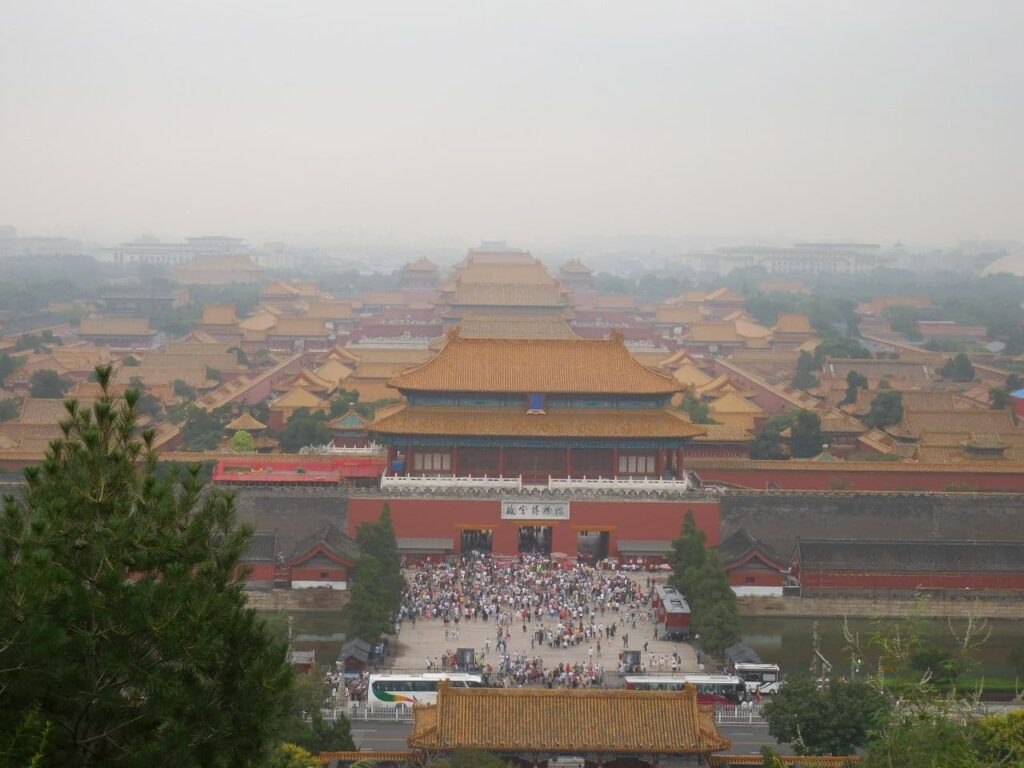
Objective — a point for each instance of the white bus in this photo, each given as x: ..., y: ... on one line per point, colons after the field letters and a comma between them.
x: 759, y: 678
x: 393, y: 690
x: 711, y: 689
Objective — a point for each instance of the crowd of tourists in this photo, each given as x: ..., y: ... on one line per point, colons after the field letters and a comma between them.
x: 528, y: 588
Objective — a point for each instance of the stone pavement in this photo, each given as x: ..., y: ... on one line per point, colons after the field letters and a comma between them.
x: 427, y: 640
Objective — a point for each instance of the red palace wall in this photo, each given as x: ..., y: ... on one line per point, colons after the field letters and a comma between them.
x: 999, y: 582
x: 761, y: 577
x: 446, y: 518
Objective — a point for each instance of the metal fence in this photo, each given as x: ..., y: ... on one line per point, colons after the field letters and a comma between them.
x: 739, y: 715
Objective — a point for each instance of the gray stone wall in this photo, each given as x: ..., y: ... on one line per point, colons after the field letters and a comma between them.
x: 780, y: 518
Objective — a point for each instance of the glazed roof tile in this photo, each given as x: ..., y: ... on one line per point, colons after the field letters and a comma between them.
x: 533, y: 720
x: 556, y: 423
x: 570, y: 366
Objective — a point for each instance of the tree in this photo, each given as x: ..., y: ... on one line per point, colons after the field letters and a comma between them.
x: 958, y: 369
x: 214, y: 374
x: 805, y: 378
x: 7, y: 366
x: 806, y: 440
x: 933, y: 661
x: 123, y: 620
x: 48, y: 383
x: 288, y: 755
x: 886, y: 409
x: 854, y: 383
x: 365, y: 615
x: 688, y: 552
x: 1000, y: 738
x: 835, y: 719
x: 240, y: 357
x: 202, y: 432
x: 767, y: 442
x: 698, y: 411
x: 185, y: 390
x: 305, y: 428
x: 9, y: 409
x: 306, y: 726
x: 242, y: 442
x: 377, y: 539
x: 344, y: 400
x: 713, y: 603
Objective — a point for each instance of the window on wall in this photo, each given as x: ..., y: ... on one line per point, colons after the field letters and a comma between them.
x: 638, y: 464
x: 432, y: 462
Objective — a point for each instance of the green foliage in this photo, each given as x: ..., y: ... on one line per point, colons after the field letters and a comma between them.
x: 305, y: 428
x: 854, y: 383
x: 698, y: 411
x: 242, y: 442
x: 365, y: 615
x: 836, y: 719
x: 378, y: 541
x: 305, y: 726
x: 767, y: 444
x: 958, y: 369
x: 240, y: 357
x: 688, y: 553
x: 130, y: 362
x: 202, y: 432
x: 933, y: 661
x: 9, y: 409
x: 886, y: 409
x: 7, y: 366
x: 999, y: 739
x: 840, y: 347
x: 903, y: 320
x: 699, y: 574
x: 922, y: 742
x: 343, y: 401
x: 47, y: 383
x: 805, y: 378
x: 806, y: 440
x: 185, y: 390
x: 214, y: 374
x: 292, y: 756
x: 123, y: 621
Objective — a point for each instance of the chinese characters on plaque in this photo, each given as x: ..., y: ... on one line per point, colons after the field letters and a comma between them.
x: 534, y: 510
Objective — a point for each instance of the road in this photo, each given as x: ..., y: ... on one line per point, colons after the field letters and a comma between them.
x: 746, y: 739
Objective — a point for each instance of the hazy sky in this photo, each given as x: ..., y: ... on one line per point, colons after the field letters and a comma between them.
x: 520, y: 120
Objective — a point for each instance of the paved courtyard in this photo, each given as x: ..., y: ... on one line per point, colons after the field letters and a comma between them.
x: 427, y: 641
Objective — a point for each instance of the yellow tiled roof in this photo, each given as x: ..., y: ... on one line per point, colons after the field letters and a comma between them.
x: 483, y: 327
x: 733, y: 403
x: 751, y: 330
x: 724, y: 433
x: 219, y: 314
x: 508, y: 295
x: 576, y: 267
x: 685, y: 315
x: 713, y: 333
x: 330, y: 310
x: 570, y: 366
x: 793, y: 322
x: 115, y: 326
x: 690, y: 375
x: 298, y: 398
x: 247, y: 422
x: 561, y: 422
x: 333, y: 371
x: 421, y: 265
x: 533, y: 720
x: 299, y: 326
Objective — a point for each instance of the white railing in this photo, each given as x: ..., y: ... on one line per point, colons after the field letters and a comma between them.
x: 655, y: 484
x: 359, y: 710
x: 444, y: 482
x: 373, y: 449
x: 739, y: 715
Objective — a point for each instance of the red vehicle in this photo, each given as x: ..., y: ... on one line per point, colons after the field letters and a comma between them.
x: 673, y: 621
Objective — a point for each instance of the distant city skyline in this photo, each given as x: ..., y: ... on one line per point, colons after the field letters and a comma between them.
x: 535, y: 122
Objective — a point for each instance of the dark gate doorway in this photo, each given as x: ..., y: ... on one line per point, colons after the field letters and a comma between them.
x: 477, y: 540
x: 592, y: 545
x: 535, y: 539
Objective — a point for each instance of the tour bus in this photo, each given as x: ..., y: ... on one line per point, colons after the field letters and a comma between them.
x: 759, y: 678
x: 711, y: 689
x: 392, y: 690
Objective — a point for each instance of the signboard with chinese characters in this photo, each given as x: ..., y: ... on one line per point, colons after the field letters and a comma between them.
x: 535, y: 510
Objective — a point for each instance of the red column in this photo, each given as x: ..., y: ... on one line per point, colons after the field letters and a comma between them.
x: 455, y: 461
x: 392, y: 450
x: 661, y: 462
x: 568, y: 462
x: 501, y: 460
x: 615, y: 462
x: 679, y: 463
x: 408, y: 459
